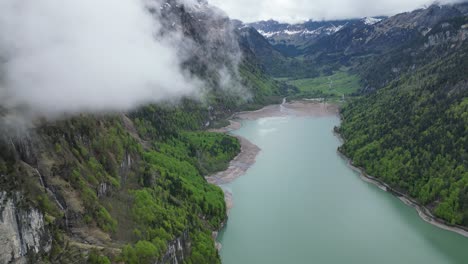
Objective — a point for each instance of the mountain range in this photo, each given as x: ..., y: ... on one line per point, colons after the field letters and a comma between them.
x: 288, y: 38
x: 354, y: 39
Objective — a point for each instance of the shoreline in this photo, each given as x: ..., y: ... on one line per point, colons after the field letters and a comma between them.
x: 249, y: 151
x: 424, y: 213
x: 239, y: 164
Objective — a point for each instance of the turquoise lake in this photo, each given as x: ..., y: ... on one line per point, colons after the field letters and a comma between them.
x: 301, y: 203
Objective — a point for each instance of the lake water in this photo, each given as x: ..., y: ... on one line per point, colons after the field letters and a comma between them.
x: 301, y: 203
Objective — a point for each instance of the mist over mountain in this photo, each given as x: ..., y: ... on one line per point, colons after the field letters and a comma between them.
x: 67, y: 57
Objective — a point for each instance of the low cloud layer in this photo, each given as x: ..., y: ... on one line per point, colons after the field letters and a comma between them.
x: 64, y: 56
x: 300, y: 10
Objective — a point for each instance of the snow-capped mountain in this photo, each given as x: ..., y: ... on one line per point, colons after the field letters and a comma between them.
x: 371, y: 20
x: 274, y: 30
x: 284, y: 36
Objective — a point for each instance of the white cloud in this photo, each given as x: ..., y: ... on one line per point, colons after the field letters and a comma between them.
x: 65, y: 56
x: 300, y: 10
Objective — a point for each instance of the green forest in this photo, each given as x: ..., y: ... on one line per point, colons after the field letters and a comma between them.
x: 163, y: 196
x: 412, y: 134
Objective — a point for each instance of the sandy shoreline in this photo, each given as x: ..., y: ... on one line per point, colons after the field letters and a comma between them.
x: 239, y: 165
x: 249, y: 151
x: 423, y: 212
x: 295, y: 108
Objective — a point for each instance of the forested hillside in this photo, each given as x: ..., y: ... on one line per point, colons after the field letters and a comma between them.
x: 115, y: 181
x: 412, y: 133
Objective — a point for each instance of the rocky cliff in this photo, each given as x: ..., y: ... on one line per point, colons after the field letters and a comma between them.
x: 22, y: 231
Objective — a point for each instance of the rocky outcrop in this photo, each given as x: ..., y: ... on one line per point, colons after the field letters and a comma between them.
x: 177, y: 250
x: 103, y: 189
x: 22, y: 231
x: 448, y: 34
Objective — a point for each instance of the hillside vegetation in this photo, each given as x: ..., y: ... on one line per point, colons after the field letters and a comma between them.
x: 413, y: 135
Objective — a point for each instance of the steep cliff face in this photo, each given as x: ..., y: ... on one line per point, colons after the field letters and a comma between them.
x: 22, y: 231
x: 177, y: 250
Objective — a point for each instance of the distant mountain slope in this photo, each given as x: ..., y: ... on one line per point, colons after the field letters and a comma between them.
x: 445, y: 38
x: 270, y: 59
x: 290, y: 39
x: 315, y: 48
x: 389, y: 34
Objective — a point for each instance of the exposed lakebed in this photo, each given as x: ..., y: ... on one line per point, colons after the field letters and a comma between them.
x: 301, y: 203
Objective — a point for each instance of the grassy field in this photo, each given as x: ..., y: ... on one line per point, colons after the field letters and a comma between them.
x: 334, y: 85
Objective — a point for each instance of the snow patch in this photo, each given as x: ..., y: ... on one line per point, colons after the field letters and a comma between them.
x: 292, y: 32
x: 302, y: 32
x: 268, y: 34
x: 371, y: 20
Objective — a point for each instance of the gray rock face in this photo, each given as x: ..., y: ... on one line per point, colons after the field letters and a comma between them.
x: 177, y: 249
x: 102, y: 190
x: 22, y: 232
x: 453, y: 36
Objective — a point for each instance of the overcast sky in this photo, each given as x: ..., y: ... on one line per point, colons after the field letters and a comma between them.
x: 300, y: 10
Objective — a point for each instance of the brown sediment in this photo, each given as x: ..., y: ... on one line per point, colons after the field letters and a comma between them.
x: 249, y: 151
x: 239, y: 165
x: 295, y: 108
x: 310, y: 108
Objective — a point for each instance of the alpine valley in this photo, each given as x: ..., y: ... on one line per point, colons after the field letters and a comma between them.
x: 130, y: 187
